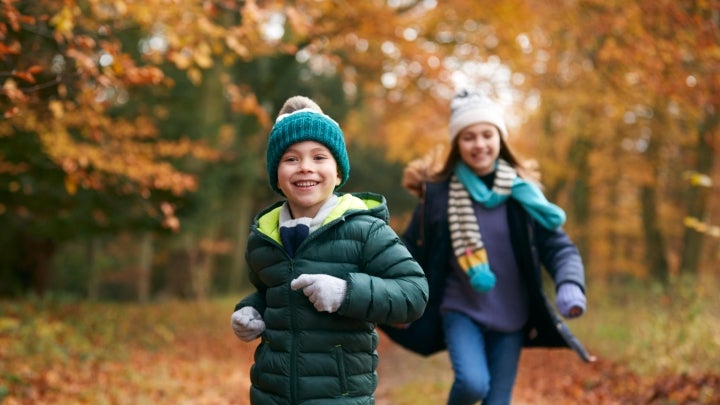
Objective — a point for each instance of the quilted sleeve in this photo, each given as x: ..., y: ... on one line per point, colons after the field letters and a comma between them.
x: 391, y: 288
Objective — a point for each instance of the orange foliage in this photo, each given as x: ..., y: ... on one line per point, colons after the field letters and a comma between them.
x: 608, y: 96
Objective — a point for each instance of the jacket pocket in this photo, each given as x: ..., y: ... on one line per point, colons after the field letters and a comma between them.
x: 342, y: 373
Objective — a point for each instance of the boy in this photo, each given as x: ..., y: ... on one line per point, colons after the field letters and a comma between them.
x: 327, y: 268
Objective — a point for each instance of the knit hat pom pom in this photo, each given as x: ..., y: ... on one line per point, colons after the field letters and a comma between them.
x: 481, y: 278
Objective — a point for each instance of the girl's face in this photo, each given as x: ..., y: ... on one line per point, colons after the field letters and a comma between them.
x: 479, y: 147
x: 307, y: 175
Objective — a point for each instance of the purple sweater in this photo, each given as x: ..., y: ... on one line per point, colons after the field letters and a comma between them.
x: 505, y: 307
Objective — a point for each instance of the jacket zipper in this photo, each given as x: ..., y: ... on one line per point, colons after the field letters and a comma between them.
x: 293, y: 326
x: 294, y: 349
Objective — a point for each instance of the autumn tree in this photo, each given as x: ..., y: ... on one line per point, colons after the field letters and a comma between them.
x: 662, y: 57
x: 151, y: 117
x: 644, y: 72
x: 97, y: 71
x: 66, y: 162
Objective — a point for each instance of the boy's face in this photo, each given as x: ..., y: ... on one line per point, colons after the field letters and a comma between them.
x: 307, y: 175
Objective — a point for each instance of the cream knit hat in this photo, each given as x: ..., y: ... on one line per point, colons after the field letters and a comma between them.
x: 470, y: 107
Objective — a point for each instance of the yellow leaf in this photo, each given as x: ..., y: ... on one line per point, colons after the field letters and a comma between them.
x: 195, y: 75
x: 701, y: 180
x: 64, y: 22
x: 57, y: 109
x: 70, y: 185
x: 698, y: 179
x: 690, y: 222
x: 8, y: 324
x: 181, y: 59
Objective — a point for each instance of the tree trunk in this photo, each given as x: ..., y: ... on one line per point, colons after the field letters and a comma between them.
x: 617, y: 257
x: 200, y: 265
x: 36, y: 261
x: 579, y: 157
x: 214, y: 116
x: 145, y: 267
x: 93, y: 287
x: 655, y: 246
x: 697, y: 197
x: 655, y: 250
x: 236, y: 278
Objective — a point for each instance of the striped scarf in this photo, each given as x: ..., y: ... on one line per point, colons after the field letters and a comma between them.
x: 465, y: 186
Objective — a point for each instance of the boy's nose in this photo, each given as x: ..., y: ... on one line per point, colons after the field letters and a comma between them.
x: 305, y: 165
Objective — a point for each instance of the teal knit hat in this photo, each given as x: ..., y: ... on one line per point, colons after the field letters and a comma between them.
x: 305, y: 125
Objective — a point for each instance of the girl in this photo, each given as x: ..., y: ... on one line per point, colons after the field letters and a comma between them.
x: 482, y: 231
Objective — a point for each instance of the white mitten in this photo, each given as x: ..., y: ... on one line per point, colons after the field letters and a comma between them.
x: 247, y: 323
x: 326, y: 293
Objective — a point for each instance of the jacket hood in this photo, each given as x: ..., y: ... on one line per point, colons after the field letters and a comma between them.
x: 367, y: 203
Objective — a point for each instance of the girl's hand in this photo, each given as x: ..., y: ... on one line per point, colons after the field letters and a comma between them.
x: 570, y: 300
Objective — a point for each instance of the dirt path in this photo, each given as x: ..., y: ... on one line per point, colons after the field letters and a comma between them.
x: 546, y: 377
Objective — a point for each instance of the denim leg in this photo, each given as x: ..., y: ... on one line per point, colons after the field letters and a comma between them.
x: 503, y: 352
x: 466, y: 348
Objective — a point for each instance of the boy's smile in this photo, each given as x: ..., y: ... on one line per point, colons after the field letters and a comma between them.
x: 307, y: 175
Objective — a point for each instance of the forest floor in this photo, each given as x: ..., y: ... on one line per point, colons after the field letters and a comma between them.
x: 546, y: 376
x: 187, y: 354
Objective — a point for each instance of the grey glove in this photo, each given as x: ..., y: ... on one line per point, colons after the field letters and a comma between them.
x: 570, y: 300
x: 247, y: 323
x: 326, y: 293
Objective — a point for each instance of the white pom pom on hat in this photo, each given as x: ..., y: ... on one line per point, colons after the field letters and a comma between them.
x: 470, y: 107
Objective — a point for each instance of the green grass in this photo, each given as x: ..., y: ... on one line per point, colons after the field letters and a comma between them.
x: 653, y: 329
x: 55, y: 331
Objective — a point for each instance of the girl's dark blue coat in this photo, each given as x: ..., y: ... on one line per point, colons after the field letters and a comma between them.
x: 428, y: 239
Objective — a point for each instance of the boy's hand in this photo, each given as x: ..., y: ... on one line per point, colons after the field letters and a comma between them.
x: 247, y: 323
x: 326, y: 293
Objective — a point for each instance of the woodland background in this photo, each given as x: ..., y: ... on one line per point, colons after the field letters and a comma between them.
x: 132, y: 144
x: 133, y: 132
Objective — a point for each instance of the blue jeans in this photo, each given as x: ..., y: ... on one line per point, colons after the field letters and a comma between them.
x: 485, y: 362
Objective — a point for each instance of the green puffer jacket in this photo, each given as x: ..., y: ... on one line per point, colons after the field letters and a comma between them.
x: 310, y: 357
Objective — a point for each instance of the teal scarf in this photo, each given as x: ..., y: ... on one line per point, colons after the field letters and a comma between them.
x: 507, y: 183
x: 464, y: 228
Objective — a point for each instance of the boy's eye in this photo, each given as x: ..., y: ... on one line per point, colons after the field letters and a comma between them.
x: 289, y: 159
